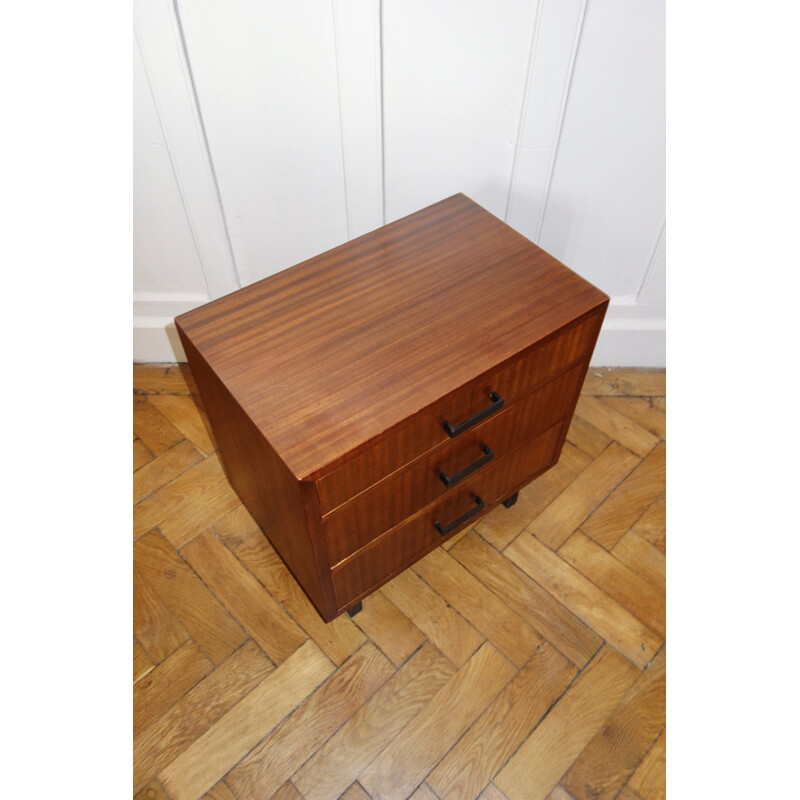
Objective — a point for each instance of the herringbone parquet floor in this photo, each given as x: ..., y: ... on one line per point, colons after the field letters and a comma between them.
x: 524, y: 659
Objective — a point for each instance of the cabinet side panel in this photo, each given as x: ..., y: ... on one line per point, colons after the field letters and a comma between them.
x: 263, y: 482
x: 570, y: 407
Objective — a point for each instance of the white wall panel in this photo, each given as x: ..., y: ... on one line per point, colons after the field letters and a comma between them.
x: 165, y: 257
x: 606, y: 201
x: 159, y: 38
x: 265, y: 75
x: 654, y: 285
x: 269, y: 132
x: 453, y: 80
x: 357, y: 30
x: 555, y: 45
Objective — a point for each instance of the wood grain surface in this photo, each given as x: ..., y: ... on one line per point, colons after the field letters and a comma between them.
x: 327, y: 347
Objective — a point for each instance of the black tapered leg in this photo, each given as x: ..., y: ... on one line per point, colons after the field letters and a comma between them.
x: 355, y: 609
x: 509, y: 501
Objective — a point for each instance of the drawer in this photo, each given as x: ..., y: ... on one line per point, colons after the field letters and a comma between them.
x: 418, y: 434
x: 401, y: 546
x: 387, y: 503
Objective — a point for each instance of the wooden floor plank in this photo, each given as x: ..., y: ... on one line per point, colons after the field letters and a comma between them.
x: 606, y: 617
x: 167, y: 683
x: 502, y: 525
x: 338, y: 639
x: 467, y: 769
x: 226, y: 742
x: 536, y: 768
x: 206, y: 619
x: 424, y: 792
x: 426, y: 732
x: 141, y: 454
x: 355, y: 792
x: 649, y: 781
x: 481, y: 607
x: 167, y: 737
x: 403, y: 765
x: 623, y: 507
x: 455, y: 539
x: 182, y: 526
x: 152, y: 427
x: 153, y: 791
x: 611, y: 381
x: 585, y: 436
x: 627, y: 794
x: 155, y: 626
x: 616, y: 426
x: 491, y: 792
x: 443, y: 625
x: 618, y: 747
x: 183, y: 412
x: 294, y: 741
x: 646, y: 561
x: 235, y: 527
x: 252, y: 605
x: 566, y: 513
x: 652, y: 525
x: 641, y: 411
x: 191, y: 488
x: 142, y: 663
x: 163, y: 469
x: 362, y: 738
x: 572, y: 637
x: 219, y: 792
x: 391, y: 630
x: 287, y: 792
x: 620, y: 583
x: 162, y: 379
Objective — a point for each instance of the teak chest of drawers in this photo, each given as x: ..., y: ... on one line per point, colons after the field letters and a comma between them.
x: 373, y: 401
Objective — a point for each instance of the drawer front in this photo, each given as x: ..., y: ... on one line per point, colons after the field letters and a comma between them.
x: 388, y: 502
x: 401, y: 546
x: 425, y: 430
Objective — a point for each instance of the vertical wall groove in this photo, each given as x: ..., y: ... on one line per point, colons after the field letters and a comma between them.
x: 523, y: 107
x: 173, y: 166
x: 335, y: 19
x: 204, y: 136
x: 651, y: 263
x: 382, y: 117
x: 562, y: 113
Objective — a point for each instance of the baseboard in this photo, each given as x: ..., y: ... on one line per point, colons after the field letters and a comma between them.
x: 632, y: 343
x: 155, y: 339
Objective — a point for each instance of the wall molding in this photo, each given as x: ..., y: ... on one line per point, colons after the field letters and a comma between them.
x: 155, y: 337
x: 634, y: 334
x: 165, y: 304
x: 631, y: 343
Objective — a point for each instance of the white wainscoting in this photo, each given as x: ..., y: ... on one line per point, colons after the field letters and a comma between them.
x: 267, y: 133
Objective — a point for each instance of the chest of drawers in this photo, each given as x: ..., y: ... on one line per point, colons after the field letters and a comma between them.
x: 376, y: 399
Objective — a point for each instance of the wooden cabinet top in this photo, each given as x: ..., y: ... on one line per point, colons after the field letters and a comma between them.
x: 327, y: 355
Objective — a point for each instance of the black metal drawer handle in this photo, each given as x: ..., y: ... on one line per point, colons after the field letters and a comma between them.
x: 454, y: 430
x: 449, y: 481
x: 445, y: 529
